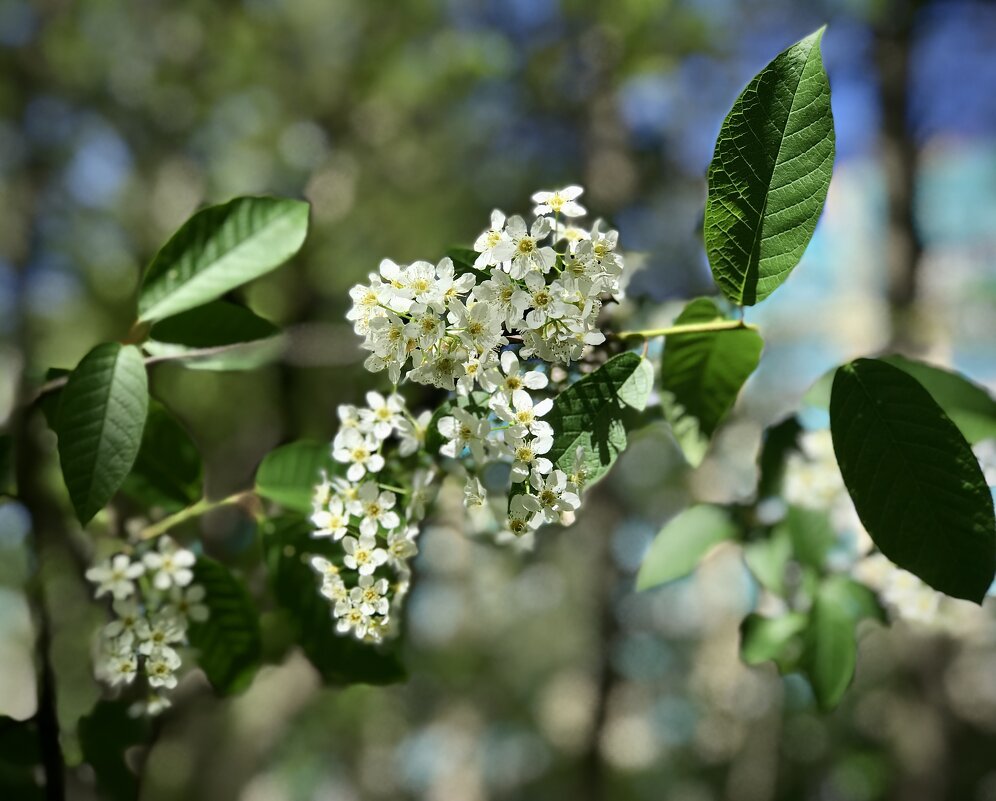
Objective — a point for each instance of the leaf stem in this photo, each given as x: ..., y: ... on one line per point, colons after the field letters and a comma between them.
x: 690, y: 328
x: 194, y: 510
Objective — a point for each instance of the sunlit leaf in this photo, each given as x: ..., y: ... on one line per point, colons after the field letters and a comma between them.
x: 770, y: 174
x: 682, y: 542
x: 219, y: 249
x: 288, y: 474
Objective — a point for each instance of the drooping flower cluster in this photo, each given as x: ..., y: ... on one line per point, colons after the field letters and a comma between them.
x: 540, y: 284
x: 362, y: 512
x: 153, y: 600
x: 487, y: 328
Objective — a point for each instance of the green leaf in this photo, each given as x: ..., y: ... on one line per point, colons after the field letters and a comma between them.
x: 288, y: 474
x: 228, y: 642
x: 99, y: 422
x: 681, y: 544
x: 914, y: 480
x: 595, y: 412
x: 105, y: 735
x: 969, y: 406
x: 219, y: 249
x: 767, y: 559
x: 701, y: 375
x: 777, y: 639
x: 769, y: 174
x: 831, y: 645
x: 167, y: 472
x: 812, y: 535
x: 779, y: 441
x: 235, y: 338
x: 288, y: 544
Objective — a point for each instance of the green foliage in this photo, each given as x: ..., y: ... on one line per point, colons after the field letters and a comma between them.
x: 288, y: 544
x: 167, y: 471
x: 681, y: 544
x: 779, y: 441
x: 767, y: 559
x: 228, y: 642
x: 773, y: 639
x: 288, y: 474
x: 831, y: 646
x: 812, y: 535
x: 105, y: 734
x: 219, y: 249
x: 915, y: 482
x: 770, y: 174
x: 701, y: 375
x: 100, y: 420
x: 238, y: 339
x: 595, y: 412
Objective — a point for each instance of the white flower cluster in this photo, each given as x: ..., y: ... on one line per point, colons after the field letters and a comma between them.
x: 813, y: 480
x: 435, y: 326
x: 153, y: 602
x: 362, y: 512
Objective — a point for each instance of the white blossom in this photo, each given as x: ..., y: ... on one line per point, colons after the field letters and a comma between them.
x: 116, y: 576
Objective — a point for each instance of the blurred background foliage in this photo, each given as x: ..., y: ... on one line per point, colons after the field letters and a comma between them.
x: 541, y: 675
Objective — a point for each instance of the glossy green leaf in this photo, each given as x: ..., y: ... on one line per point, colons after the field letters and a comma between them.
x: 288, y: 546
x: 288, y: 474
x: 682, y: 542
x: 914, y: 480
x: 595, y: 412
x: 831, y: 647
x: 100, y: 419
x: 772, y: 639
x: 701, y: 376
x: 770, y: 174
x: 167, y: 472
x: 228, y: 642
x: 105, y: 735
x: 219, y: 249
x: 233, y: 337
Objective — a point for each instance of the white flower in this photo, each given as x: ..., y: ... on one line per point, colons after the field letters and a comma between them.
x: 553, y: 496
x: 563, y: 201
x: 544, y: 301
x: 359, y: 452
x: 479, y: 326
x: 577, y: 478
x: 464, y: 430
x: 571, y: 234
x: 411, y: 433
x: 423, y: 490
x: 120, y: 667
x: 362, y: 554
x: 448, y: 286
x: 521, y: 510
x: 188, y: 602
x: 474, y: 494
x: 501, y: 292
x: 529, y: 256
x: 171, y: 565
x: 332, y: 521
x: 511, y: 379
x: 368, y: 596
x: 165, y: 628
x: 160, y: 667
x: 384, y: 414
x: 523, y: 416
x: 441, y: 369
x: 115, y: 576
x: 129, y: 624
x: 354, y: 619
x: 493, y: 245
x: 528, y: 455
x: 374, y: 508
x: 401, y: 547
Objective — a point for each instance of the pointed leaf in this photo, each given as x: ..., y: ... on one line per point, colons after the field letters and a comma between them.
x: 682, y: 542
x: 914, y: 480
x: 167, y: 472
x: 595, y: 412
x: 288, y: 474
x: 701, y: 376
x: 220, y: 248
x: 100, y: 420
x: 777, y: 639
x: 228, y: 642
x: 769, y: 174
